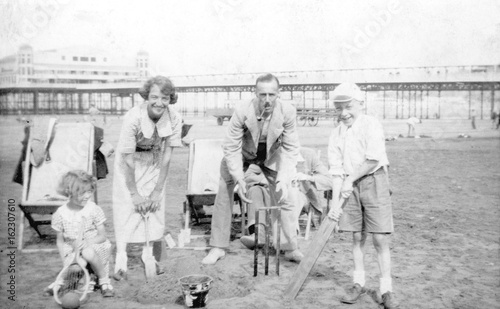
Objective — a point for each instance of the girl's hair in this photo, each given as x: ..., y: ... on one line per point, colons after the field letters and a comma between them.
x: 76, y: 182
x: 166, y: 87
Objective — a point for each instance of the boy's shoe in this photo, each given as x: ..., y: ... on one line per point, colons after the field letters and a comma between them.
x: 294, y: 256
x: 375, y: 295
x: 107, y: 290
x: 213, y: 256
x: 353, y: 294
x: 92, y: 285
x: 388, y: 301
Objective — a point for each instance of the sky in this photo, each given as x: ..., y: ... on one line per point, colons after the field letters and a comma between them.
x: 236, y: 36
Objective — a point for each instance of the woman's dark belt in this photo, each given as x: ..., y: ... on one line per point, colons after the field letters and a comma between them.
x: 138, y: 149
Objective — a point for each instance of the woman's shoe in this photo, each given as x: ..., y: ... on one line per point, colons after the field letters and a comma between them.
x: 120, y: 275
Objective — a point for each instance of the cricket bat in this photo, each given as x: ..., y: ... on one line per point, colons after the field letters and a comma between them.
x: 313, y: 251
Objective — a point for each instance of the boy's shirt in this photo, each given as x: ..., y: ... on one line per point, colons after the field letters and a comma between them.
x: 349, y: 147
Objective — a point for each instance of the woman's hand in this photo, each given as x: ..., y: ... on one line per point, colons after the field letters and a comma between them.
x: 141, y: 204
x: 154, y: 199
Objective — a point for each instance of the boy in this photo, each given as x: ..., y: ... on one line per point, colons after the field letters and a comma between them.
x: 358, y: 163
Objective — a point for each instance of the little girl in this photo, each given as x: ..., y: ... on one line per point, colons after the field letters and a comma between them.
x: 67, y: 221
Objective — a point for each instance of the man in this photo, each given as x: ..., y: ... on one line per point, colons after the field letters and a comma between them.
x: 412, y: 122
x: 358, y: 163
x: 473, y: 118
x: 312, y: 176
x: 261, y: 132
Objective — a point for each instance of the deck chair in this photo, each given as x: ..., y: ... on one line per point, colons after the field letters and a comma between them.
x: 205, y: 156
x: 71, y: 147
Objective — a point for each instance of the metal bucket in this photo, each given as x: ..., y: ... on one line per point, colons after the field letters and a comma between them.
x: 195, y: 290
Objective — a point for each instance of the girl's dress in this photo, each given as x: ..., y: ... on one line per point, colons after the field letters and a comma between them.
x: 69, y: 222
x: 146, y: 140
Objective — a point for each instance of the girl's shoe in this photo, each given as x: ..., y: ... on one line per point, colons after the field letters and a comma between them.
x: 48, y: 291
x: 107, y: 290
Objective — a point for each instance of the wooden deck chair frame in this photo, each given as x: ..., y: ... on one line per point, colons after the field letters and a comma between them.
x: 29, y: 208
x: 194, y: 199
x: 307, y: 232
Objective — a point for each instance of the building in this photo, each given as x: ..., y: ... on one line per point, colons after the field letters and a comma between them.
x: 75, y: 65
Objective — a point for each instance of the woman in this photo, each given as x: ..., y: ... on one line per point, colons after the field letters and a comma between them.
x: 149, y: 133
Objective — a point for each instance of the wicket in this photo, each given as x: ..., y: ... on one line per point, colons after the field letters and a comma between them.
x: 268, y: 228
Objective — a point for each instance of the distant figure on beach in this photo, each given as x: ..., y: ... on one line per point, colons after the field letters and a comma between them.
x: 94, y: 112
x: 473, y: 118
x: 494, y: 119
x: 411, y: 122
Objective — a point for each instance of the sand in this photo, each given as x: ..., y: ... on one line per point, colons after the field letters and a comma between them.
x: 445, y: 249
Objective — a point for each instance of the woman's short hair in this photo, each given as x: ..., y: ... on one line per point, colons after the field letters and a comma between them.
x: 166, y: 87
x: 76, y: 182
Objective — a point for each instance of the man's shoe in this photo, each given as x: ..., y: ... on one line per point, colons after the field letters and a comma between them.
x: 248, y: 241
x: 388, y: 301
x: 213, y: 256
x: 353, y: 294
x: 294, y: 256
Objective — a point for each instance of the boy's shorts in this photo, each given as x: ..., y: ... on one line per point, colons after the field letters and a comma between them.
x: 369, y: 207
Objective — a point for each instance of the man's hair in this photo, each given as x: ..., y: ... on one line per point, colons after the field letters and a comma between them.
x: 267, y: 78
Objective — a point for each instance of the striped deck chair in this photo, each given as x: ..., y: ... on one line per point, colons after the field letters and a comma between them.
x: 68, y: 146
x: 205, y: 156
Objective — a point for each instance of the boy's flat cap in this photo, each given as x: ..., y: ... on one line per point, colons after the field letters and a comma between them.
x: 346, y: 92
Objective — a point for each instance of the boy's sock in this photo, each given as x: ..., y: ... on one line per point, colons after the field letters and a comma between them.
x: 385, y: 285
x: 359, y: 277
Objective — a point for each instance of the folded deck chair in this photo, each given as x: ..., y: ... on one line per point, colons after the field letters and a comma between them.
x: 68, y: 146
x: 205, y: 156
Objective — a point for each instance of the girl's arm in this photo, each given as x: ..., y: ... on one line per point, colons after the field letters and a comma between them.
x: 60, y: 245
x: 100, y: 238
